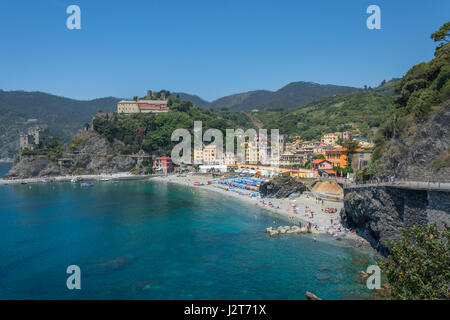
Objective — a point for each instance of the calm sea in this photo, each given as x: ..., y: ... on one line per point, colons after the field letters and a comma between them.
x: 4, y: 168
x: 149, y: 240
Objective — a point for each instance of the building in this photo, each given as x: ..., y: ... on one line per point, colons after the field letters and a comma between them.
x: 229, y: 159
x: 163, y: 164
x: 210, y: 154
x: 198, y: 155
x: 360, y: 159
x: 321, y: 165
x: 143, y: 106
x: 338, y: 157
x: 331, y: 138
x: 33, y: 139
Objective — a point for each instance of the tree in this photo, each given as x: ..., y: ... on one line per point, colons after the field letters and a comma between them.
x: 443, y: 34
x: 418, y: 266
x: 318, y: 156
x: 139, y: 134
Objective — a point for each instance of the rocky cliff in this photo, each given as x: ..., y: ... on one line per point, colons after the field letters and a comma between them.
x: 88, y: 153
x: 379, y: 213
x: 421, y: 152
x: 281, y: 187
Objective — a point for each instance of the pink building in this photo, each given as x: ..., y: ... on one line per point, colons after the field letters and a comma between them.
x: 164, y: 163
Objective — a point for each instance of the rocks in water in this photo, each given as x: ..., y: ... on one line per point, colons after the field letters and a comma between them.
x: 363, y: 276
x: 281, y: 187
x: 311, y: 296
x: 284, y: 230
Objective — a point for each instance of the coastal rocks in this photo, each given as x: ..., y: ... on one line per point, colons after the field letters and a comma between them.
x: 281, y: 187
x: 420, y: 154
x: 285, y: 230
x: 379, y: 213
x: 311, y: 296
x: 33, y: 166
x: 90, y: 153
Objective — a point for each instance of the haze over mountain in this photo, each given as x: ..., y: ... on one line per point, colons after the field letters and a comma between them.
x: 293, y: 95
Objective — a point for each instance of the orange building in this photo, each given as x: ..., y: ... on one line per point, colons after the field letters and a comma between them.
x: 338, y: 157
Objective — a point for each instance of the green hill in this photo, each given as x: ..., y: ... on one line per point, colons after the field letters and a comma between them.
x: 414, y: 138
x: 291, y: 96
x: 361, y: 110
x: 63, y: 116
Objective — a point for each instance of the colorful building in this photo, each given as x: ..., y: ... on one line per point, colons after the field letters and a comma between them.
x: 163, y: 163
x: 338, y: 157
x: 209, y: 154
x: 143, y: 106
x: 321, y: 164
x: 331, y: 138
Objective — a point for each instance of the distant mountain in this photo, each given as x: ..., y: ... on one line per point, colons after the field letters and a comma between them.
x: 63, y: 116
x: 196, y: 100
x: 293, y: 95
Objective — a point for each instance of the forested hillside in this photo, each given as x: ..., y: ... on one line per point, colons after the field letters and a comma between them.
x: 63, y: 116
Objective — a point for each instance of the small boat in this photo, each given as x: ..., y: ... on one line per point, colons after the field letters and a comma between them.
x: 104, y: 179
x: 74, y: 180
x: 23, y: 182
x: 44, y: 181
x: 86, y: 185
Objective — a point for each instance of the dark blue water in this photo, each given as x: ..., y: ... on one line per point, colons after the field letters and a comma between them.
x: 4, y: 168
x: 148, y: 240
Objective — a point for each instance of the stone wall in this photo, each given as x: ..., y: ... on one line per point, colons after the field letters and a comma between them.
x: 379, y: 213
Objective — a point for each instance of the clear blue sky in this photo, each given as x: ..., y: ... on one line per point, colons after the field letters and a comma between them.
x: 210, y: 48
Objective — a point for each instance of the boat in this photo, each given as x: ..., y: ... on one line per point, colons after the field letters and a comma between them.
x: 86, y: 185
x: 104, y: 179
x: 74, y: 180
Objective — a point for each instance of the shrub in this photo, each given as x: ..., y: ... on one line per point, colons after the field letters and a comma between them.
x: 418, y: 266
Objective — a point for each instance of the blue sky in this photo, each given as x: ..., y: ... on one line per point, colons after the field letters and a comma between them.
x: 210, y: 48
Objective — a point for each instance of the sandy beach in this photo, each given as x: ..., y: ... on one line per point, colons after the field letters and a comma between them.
x: 323, y: 215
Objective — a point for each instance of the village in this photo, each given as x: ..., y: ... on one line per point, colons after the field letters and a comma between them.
x: 336, y: 154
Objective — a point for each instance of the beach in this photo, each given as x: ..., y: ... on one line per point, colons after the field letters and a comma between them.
x: 323, y: 215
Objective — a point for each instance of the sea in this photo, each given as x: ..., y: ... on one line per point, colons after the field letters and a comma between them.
x: 155, y: 240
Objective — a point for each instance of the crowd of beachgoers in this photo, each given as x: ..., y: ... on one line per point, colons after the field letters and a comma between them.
x: 321, y: 216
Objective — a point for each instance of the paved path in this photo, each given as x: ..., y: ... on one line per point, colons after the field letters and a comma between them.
x: 414, y: 185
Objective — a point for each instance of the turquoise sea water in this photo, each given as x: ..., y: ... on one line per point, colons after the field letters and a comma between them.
x: 149, y: 240
x: 4, y: 168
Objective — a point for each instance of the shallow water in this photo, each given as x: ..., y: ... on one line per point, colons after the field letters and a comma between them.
x: 149, y: 240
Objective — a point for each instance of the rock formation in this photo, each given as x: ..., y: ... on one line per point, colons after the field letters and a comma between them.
x: 281, y: 187
x: 379, y: 213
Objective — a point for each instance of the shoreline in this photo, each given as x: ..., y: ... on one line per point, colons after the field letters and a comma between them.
x: 283, y: 209
x: 290, y: 212
x: 120, y: 176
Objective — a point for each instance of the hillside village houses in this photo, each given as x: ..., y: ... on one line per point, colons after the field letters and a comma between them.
x: 148, y: 105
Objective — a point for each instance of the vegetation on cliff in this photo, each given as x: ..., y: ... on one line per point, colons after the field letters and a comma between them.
x: 418, y: 266
x: 152, y: 132
x: 418, y: 112
x: 358, y: 111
